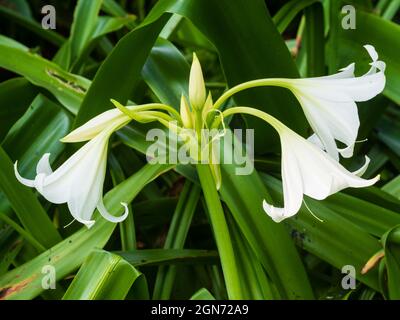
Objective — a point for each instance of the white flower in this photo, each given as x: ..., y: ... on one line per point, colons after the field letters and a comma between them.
x: 306, y: 169
x: 79, y: 181
x: 329, y: 103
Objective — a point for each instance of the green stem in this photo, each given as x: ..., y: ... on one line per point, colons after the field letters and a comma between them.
x: 276, y: 82
x: 278, y: 126
x: 22, y: 232
x: 221, y: 232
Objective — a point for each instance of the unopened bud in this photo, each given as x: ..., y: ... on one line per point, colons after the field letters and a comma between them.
x: 197, y: 89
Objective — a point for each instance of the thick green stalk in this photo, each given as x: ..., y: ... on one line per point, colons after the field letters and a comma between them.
x: 221, y: 232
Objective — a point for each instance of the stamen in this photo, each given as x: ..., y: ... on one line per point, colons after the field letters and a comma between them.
x: 66, y: 226
x: 312, y: 213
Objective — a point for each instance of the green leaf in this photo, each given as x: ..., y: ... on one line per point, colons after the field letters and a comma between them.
x: 176, y: 237
x: 32, y: 26
x: 83, y: 26
x: 69, y: 89
x: 154, y: 257
x: 289, y: 11
x: 15, y: 97
x: 119, y: 72
x: 202, y: 294
x: 314, y: 34
x: 103, y: 276
x: 393, y: 187
x: 269, y: 240
x: 336, y: 240
x: 391, y: 244
x: 25, y: 204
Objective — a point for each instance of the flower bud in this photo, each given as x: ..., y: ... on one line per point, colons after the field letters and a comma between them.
x: 186, y: 115
x: 197, y: 89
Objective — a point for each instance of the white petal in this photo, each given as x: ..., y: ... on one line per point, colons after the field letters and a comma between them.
x: 314, y: 139
x: 372, y: 52
x: 96, y: 125
x: 364, y: 167
x: 108, y: 216
x: 292, y: 188
x: 43, y: 165
x: 27, y: 182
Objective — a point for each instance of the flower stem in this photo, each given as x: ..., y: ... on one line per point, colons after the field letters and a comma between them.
x: 221, y: 232
x: 275, y: 82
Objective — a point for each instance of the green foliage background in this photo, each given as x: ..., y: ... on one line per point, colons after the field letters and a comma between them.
x: 183, y: 236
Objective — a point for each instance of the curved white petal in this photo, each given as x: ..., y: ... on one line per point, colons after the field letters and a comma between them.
x: 292, y: 189
x: 43, y: 165
x: 28, y: 182
x: 329, y: 103
x: 108, y: 216
x: 359, y: 172
x: 96, y: 125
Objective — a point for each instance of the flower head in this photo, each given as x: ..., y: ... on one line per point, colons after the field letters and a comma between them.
x: 329, y: 103
x: 306, y: 169
x: 78, y: 181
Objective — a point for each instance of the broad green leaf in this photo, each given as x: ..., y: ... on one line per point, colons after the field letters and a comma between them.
x: 288, y: 12
x: 269, y: 240
x: 119, y: 72
x: 83, y: 26
x: 69, y: 89
x: 15, y: 97
x: 153, y: 257
x: 336, y: 239
x: 25, y: 204
x: 36, y: 133
x: 103, y: 276
x: 393, y: 187
x: 391, y: 244
x: 254, y: 282
x: 202, y: 294
x: 176, y: 238
x: 314, y: 36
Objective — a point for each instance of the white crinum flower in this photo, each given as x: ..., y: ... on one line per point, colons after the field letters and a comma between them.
x: 79, y: 181
x: 306, y: 169
x: 329, y: 103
